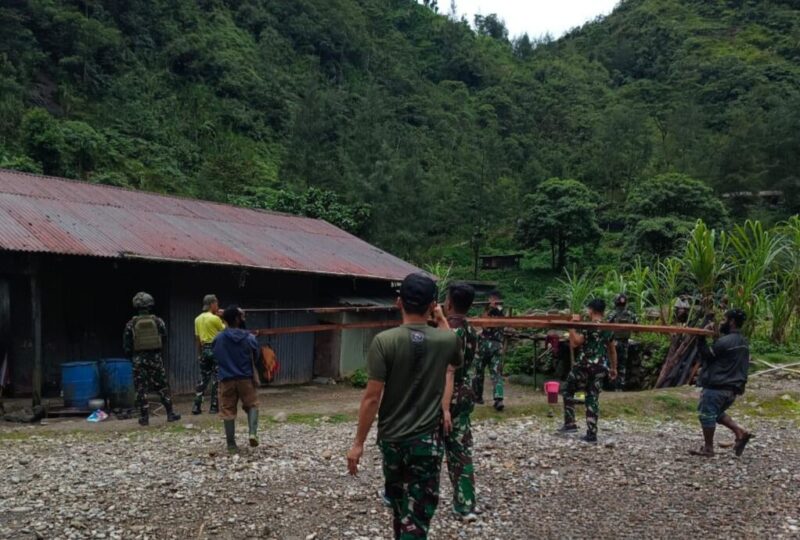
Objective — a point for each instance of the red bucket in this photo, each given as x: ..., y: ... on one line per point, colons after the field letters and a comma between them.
x: 551, y: 387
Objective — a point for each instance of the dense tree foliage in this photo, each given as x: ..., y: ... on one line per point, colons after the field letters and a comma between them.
x: 422, y: 126
x: 562, y: 213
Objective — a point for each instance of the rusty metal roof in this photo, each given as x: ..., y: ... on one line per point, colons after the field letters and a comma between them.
x: 54, y: 215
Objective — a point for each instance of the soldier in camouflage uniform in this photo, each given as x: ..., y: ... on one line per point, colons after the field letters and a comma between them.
x: 622, y: 314
x: 458, y: 443
x: 143, y: 341
x: 411, y: 372
x: 490, y: 355
x: 591, y: 367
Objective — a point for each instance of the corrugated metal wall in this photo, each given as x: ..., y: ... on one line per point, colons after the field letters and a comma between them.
x: 295, y: 351
x: 355, y: 343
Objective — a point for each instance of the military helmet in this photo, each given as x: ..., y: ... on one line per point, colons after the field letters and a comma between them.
x: 143, y: 300
x: 621, y: 299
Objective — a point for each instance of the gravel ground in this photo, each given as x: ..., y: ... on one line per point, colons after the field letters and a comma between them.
x: 639, y: 482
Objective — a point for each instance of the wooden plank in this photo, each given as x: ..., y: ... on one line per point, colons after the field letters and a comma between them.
x: 530, y: 322
x: 331, y: 309
x: 499, y: 322
x: 36, y: 319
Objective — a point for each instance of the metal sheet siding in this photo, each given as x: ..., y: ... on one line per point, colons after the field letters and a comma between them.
x: 181, y: 365
x: 52, y: 215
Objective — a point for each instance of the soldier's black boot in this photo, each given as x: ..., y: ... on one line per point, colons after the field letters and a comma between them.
x: 252, y: 424
x: 498, y: 404
x: 144, y: 417
x: 172, y: 416
x: 230, y: 435
x: 196, y: 407
x: 214, y: 409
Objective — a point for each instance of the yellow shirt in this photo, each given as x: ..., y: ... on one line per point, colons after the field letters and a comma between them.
x: 207, y: 326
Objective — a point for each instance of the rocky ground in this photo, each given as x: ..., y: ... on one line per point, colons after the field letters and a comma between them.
x: 177, y: 482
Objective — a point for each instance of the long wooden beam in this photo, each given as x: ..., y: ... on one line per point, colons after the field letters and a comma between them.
x: 530, y: 322
x: 497, y: 322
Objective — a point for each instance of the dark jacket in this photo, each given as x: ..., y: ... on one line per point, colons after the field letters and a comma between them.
x: 725, y: 364
x: 235, y: 350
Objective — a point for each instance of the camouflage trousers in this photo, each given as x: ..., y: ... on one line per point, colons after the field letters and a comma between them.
x: 411, y: 472
x: 149, y: 375
x: 490, y: 355
x: 208, y: 374
x: 590, y: 377
x: 460, y: 468
x: 622, y: 364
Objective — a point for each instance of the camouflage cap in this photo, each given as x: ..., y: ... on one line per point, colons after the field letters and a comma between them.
x: 143, y: 300
x: 208, y: 300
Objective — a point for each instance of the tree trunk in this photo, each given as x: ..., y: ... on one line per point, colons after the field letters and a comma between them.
x: 562, y: 252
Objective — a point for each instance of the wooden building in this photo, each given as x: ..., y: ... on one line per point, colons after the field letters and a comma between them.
x: 73, y: 254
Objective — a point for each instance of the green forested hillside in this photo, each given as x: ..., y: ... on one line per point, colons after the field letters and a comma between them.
x: 405, y: 126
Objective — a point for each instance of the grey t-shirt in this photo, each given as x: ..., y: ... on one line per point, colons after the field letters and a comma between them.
x: 414, y: 378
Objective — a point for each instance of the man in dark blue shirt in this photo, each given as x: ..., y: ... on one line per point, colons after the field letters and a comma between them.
x: 236, y: 350
x: 723, y: 376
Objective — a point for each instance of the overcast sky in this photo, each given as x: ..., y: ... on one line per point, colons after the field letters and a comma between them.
x: 536, y: 17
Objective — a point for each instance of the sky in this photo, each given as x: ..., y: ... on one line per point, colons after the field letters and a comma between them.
x: 536, y: 17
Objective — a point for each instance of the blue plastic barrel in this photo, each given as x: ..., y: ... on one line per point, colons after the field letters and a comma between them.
x: 80, y: 382
x: 117, y: 378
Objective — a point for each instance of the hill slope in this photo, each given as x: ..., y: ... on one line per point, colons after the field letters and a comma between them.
x: 439, y: 129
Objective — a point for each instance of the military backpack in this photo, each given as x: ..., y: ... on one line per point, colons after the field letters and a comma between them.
x: 146, y: 336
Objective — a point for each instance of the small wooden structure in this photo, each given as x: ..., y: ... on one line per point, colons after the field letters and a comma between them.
x: 498, y: 262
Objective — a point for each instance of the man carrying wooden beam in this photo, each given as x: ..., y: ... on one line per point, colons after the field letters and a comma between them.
x: 723, y: 376
x: 411, y: 371
x: 490, y: 355
x: 458, y: 443
x: 596, y: 349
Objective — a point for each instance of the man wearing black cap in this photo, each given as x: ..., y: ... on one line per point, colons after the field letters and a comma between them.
x: 723, y: 376
x: 411, y: 372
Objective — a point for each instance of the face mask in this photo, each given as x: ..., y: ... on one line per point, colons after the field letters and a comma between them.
x: 725, y: 328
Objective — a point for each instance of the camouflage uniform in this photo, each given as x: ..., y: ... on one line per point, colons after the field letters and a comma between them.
x: 622, y: 315
x: 148, y: 370
x: 208, y: 374
x: 588, y: 372
x: 413, y: 503
x: 490, y: 355
x: 458, y: 443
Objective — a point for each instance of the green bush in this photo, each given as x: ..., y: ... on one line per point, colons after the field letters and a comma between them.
x: 519, y: 360
x: 359, y: 378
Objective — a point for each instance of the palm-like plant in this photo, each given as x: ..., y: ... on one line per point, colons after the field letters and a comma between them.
x: 754, y: 252
x: 786, y: 301
x: 639, y: 291
x: 704, y: 261
x: 443, y: 274
x: 576, y: 289
x: 664, y: 282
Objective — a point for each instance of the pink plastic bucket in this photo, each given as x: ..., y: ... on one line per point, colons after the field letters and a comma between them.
x: 551, y: 387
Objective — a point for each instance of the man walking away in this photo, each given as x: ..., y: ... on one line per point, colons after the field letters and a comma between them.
x: 622, y: 314
x: 143, y: 342
x: 206, y: 327
x: 236, y: 351
x: 596, y: 348
x: 723, y: 376
x: 411, y: 371
x: 490, y: 355
x: 458, y: 443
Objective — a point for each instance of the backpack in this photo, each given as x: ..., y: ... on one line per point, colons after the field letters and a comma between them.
x: 146, y: 336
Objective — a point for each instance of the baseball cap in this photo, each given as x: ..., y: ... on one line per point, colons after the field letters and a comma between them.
x: 417, y: 290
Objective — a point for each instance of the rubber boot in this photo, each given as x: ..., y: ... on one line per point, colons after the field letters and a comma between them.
x: 144, y: 417
x: 196, y: 408
x: 252, y: 424
x: 230, y: 435
x: 172, y: 416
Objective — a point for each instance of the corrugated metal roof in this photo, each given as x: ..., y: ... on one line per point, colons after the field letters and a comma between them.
x: 54, y: 215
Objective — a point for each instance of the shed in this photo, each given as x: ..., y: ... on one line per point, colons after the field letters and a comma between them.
x: 497, y: 262
x: 73, y: 254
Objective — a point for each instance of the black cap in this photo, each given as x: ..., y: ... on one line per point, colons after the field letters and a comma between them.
x: 417, y: 290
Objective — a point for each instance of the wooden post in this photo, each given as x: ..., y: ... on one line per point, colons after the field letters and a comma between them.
x: 36, y: 319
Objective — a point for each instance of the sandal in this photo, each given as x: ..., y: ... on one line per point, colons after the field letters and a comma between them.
x: 738, y: 448
x: 702, y: 452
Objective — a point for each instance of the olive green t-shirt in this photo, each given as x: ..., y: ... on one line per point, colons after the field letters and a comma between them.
x: 414, y: 378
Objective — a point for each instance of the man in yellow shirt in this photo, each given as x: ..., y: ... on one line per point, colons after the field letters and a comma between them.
x: 206, y: 327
